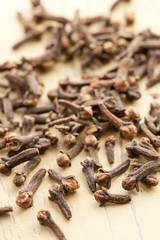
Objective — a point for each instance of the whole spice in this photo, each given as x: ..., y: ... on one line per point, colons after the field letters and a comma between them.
x: 27, y: 124
x: 150, y: 180
x: 134, y: 150
x: 4, y: 210
x: 56, y: 195
x: 16, y: 142
x: 69, y: 183
x: 82, y: 111
x: 25, y: 197
x: 109, y: 144
x: 45, y: 219
x: 131, y: 181
x: 154, y: 139
x: 88, y: 169
x: 64, y: 158
x: 8, y: 107
x: 127, y: 129
x: 92, y: 146
x: 103, y: 197
x: 21, y: 175
x: 103, y: 177
x: 6, y: 164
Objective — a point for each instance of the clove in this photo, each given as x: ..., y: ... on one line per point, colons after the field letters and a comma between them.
x: 109, y: 144
x: 6, y: 164
x: 92, y: 146
x: 127, y: 129
x: 64, y: 158
x: 103, y: 177
x: 4, y: 210
x: 103, y: 197
x: 56, y: 195
x: 45, y: 219
x: 88, y: 169
x: 134, y: 150
x: 25, y: 197
x: 131, y: 180
x: 69, y: 183
x: 154, y: 139
x: 21, y: 175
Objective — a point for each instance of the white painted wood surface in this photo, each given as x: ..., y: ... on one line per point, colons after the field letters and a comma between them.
x: 138, y: 220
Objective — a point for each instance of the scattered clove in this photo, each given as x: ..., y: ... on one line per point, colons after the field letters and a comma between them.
x: 103, y: 177
x: 45, y: 219
x: 56, y: 195
x: 131, y: 180
x: 69, y: 183
x: 109, y: 144
x: 92, y: 146
x: 103, y: 197
x: 64, y: 158
x: 4, y: 210
x: 88, y: 169
x: 25, y: 197
x: 21, y: 175
x: 127, y: 129
x: 6, y: 164
x: 150, y: 180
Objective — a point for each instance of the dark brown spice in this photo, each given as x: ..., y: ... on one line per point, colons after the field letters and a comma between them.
x: 27, y: 124
x: 8, y: 107
x: 154, y: 139
x: 103, y: 177
x: 92, y: 146
x: 127, y: 129
x: 131, y: 181
x: 4, y: 210
x: 56, y: 195
x: 6, y: 164
x: 25, y: 197
x: 16, y: 142
x: 103, y: 197
x: 88, y: 169
x: 45, y: 219
x: 150, y: 180
x: 109, y: 144
x: 134, y: 150
x: 69, y: 183
x: 64, y: 158
x: 21, y: 175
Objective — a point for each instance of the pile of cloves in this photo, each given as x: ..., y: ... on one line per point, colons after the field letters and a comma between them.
x: 93, y: 106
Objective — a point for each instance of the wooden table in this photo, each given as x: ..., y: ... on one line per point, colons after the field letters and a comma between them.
x: 138, y: 220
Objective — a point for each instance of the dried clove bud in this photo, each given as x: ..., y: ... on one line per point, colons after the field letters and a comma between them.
x: 27, y: 124
x: 127, y: 129
x: 16, y: 142
x: 56, y: 195
x: 134, y: 150
x: 103, y: 197
x: 4, y: 210
x: 64, y: 158
x: 88, y: 169
x: 21, y: 175
x: 150, y: 180
x: 45, y: 219
x: 154, y: 139
x: 103, y: 177
x: 69, y: 183
x: 92, y: 146
x: 6, y: 164
x: 25, y: 197
x: 110, y: 142
x: 131, y: 180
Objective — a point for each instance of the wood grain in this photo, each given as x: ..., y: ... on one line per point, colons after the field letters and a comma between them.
x: 138, y: 220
